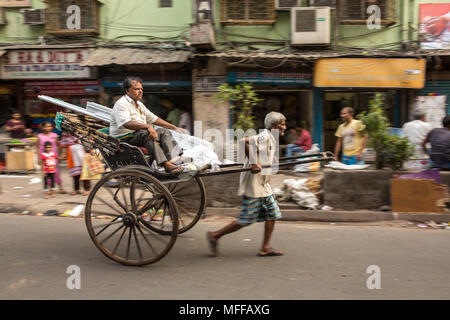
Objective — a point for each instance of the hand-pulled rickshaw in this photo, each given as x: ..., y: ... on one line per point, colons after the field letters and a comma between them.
x: 135, y: 212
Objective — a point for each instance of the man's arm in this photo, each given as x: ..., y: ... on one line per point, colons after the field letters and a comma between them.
x: 337, y: 148
x: 160, y: 122
x: 256, y: 167
x: 424, y: 147
x: 134, y: 125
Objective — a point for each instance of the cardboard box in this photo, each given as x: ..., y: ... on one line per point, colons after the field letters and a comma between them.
x: 418, y: 195
x: 19, y: 160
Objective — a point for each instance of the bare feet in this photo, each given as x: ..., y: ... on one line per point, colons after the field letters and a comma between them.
x: 212, y: 242
x: 86, y: 193
x: 47, y: 195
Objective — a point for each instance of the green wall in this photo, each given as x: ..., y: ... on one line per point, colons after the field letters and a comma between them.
x: 15, y: 31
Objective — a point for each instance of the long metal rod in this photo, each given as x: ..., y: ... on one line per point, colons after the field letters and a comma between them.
x: 323, y: 154
x: 273, y: 166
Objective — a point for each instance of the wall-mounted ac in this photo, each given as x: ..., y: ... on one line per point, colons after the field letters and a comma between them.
x: 287, y: 4
x: 2, y: 16
x: 33, y: 16
x: 310, y: 25
x: 323, y: 3
x: 203, y: 36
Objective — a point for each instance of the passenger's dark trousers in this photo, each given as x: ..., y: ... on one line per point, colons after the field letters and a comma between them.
x: 160, y: 151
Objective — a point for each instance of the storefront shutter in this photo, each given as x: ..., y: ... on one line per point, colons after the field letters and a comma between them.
x: 441, y: 87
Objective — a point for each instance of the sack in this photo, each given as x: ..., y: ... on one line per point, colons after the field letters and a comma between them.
x: 85, y: 173
x: 95, y: 166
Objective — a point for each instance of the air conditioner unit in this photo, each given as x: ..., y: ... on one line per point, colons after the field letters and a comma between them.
x: 33, y: 16
x: 310, y: 25
x: 287, y: 4
x: 2, y: 16
x: 323, y: 3
x: 203, y: 36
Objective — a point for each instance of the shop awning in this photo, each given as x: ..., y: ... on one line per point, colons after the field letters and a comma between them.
x: 127, y: 56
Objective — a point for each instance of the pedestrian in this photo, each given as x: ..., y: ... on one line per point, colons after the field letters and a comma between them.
x: 351, y: 137
x: 439, y: 139
x: 174, y: 114
x: 185, y: 120
x: 258, y: 201
x: 15, y: 126
x: 303, y: 143
x: 416, y: 131
x: 132, y: 122
x: 48, y: 136
x: 48, y: 158
x: 75, y: 153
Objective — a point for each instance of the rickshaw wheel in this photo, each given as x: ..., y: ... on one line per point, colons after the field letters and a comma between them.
x: 114, y: 217
x: 190, y: 197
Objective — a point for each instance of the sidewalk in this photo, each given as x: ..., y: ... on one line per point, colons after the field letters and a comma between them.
x: 18, y: 194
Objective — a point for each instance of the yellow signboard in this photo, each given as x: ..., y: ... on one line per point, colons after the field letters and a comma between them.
x: 370, y: 73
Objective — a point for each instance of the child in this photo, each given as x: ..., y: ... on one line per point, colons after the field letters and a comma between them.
x: 48, y: 136
x: 48, y: 158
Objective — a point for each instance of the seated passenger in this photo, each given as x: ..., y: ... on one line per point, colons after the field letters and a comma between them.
x: 131, y: 122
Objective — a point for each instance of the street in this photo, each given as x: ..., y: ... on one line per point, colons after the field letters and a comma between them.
x: 321, y: 261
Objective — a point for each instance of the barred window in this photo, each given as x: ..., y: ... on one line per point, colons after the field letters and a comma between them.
x: 165, y: 3
x: 248, y: 11
x: 67, y: 16
x: 355, y: 11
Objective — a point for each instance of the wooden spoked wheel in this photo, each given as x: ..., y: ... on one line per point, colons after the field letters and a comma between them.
x: 115, y: 217
x: 190, y: 197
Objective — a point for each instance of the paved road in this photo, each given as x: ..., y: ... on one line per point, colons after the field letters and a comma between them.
x: 322, y: 261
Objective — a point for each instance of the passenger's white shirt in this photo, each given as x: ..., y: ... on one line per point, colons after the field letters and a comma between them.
x: 257, y: 185
x: 416, y: 131
x: 124, y: 110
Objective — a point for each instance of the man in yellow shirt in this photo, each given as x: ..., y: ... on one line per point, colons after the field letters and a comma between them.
x: 351, y: 137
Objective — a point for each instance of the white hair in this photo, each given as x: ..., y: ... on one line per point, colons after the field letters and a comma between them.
x: 273, y: 118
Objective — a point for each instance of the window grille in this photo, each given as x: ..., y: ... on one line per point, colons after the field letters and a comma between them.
x: 248, y: 11
x: 355, y: 11
x: 165, y: 3
x: 56, y: 16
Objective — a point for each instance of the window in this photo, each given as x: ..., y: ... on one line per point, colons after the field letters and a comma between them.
x: 355, y: 11
x: 70, y: 17
x: 165, y: 3
x: 248, y: 11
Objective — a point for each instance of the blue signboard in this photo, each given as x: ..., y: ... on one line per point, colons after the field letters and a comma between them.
x: 269, y: 77
x: 179, y: 83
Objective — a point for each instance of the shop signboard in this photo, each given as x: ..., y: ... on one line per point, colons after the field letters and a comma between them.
x: 44, y: 64
x: 171, y: 83
x: 370, y: 73
x: 434, y: 108
x: 434, y: 25
x: 275, y: 78
x: 61, y: 88
x: 15, y: 3
x: 209, y: 83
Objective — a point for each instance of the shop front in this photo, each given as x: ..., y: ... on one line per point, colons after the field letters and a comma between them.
x: 166, y: 74
x: 47, y: 70
x: 351, y: 82
x: 283, y: 91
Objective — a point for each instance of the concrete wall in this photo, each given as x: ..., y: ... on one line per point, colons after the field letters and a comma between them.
x: 361, y: 189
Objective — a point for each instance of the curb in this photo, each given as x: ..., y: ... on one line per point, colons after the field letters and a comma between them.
x: 341, y: 216
x: 308, y: 215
